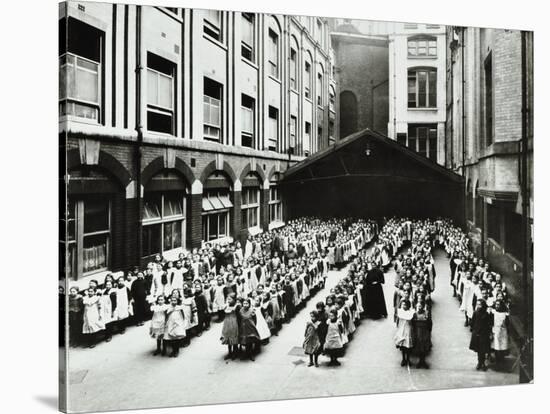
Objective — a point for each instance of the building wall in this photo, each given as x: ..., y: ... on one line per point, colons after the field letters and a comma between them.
x: 363, y: 71
x: 491, y: 166
x: 400, y: 116
x: 121, y: 153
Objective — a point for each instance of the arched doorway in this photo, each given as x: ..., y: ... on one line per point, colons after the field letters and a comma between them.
x: 348, y: 113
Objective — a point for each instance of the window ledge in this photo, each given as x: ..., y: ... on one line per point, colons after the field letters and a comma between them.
x: 214, y: 41
x: 249, y: 63
x: 72, y: 118
x: 274, y: 79
x: 423, y: 109
x: 422, y: 57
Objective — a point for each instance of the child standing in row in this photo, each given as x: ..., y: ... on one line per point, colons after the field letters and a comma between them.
x: 158, y: 324
x: 230, y: 329
x: 334, y: 345
x: 403, y: 336
x: 92, y: 323
x: 312, y: 343
x: 175, y: 324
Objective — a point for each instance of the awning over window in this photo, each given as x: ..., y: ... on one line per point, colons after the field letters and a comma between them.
x: 216, y: 203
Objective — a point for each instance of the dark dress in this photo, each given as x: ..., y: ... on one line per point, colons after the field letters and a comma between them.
x: 375, y: 304
x: 482, y: 325
x: 422, y: 333
x: 248, y: 333
x: 139, y: 294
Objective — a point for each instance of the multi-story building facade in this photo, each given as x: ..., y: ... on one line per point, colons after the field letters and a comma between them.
x: 417, y: 88
x: 175, y: 125
x: 489, y: 141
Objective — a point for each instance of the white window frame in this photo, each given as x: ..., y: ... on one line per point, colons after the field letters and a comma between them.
x: 273, y: 38
x: 65, y: 64
x: 275, y: 203
x: 250, y: 206
x: 273, y: 129
x: 293, y: 73
x: 416, y: 72
x: 80, y: 235
x: 307, y: 80
x: 249, y: 47
x: 223, y: 212
x: 414, y: 44
x: 210, y: 124
x: 210, y: 24
x: 163, y: 219
x: 156, y: 106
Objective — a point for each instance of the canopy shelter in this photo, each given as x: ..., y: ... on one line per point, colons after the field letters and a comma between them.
x: 369, y: 175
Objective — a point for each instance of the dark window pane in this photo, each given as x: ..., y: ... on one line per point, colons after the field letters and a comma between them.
x: 152, y: 206
x: 151, y: 240
x: 159, y: 122
x: 212, y: 226
x: 96, y: 215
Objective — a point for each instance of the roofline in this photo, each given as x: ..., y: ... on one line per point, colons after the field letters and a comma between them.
x: 380, y: 138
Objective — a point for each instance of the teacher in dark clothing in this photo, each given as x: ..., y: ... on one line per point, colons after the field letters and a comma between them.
x: 482, y: 326
x: 375, y: 305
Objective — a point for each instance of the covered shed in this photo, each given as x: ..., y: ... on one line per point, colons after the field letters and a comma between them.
x: 370, y: 175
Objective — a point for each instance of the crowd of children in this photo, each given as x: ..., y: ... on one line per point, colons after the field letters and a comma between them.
x: 482, y: 295
x: 252, y: 290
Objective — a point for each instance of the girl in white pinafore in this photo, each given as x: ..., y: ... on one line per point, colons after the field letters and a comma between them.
x: 261, y: 324
x: 500, y: 331
x: 467, y: 305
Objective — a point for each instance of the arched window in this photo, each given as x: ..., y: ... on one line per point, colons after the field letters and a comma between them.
x: 293, y: 71
x: 274, y: 34
x: 422, y: 87
x: 348, y: 113
x: 422, y: 46
x: 308, y: 75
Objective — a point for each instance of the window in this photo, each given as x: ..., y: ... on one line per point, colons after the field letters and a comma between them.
x: 422, y: 138
x: 215, y: 209
x: 293, y: 125
x: 163, y: 225
x: 247, y: 43
x: 250, y: 207
x: 319, y: 32
x: 513, y: 233
x: 422, y: 88
x: 80, y: 67
x: 402, y: 138
x: 212, y: 24
x: 411, y: 26
x: 478, y: 204
x: 275, y: 204
x: 488, y: 100
x: 319, y: 136
x: 422, y: 47
x: 319, y: 89
x: 273, y: 54
x: 88, y: 237
x: 160, y: 94
x: 330, y: 132
x: 212, y: 110
x: 307, y: 139
x: 293, y: 69
x: 307, y: 81
x: 273, y: 128
x: 331, y: 99
x: 247, y: 121
x: 493, y: 222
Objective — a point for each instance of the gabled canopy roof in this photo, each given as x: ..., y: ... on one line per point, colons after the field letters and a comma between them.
x: 369, y: 154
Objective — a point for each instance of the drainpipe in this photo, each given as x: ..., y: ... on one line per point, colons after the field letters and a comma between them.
x: 463, y: 121
x: 526, y: 372
x: 139, y: 130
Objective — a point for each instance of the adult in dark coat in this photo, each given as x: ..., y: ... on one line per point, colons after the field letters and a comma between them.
x: 276, y: 244
x: 139, y: 294
x: 481, y: 325
x: 375, y: 305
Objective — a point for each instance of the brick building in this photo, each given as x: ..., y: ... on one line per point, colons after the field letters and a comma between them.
x: 176, y: 124
x: 362, y: 75
x: 489, y: 140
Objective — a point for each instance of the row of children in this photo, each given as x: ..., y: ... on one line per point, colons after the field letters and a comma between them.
x: 206, y: 277
x: 414, y: 283
x: 483, y: 299
x: 334, y: 321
